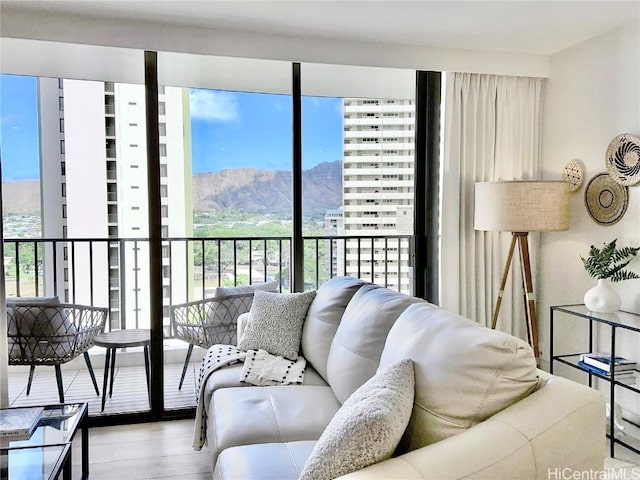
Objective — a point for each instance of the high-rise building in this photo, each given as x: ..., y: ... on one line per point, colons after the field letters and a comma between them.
x: 94, y: 186
x: 334, y: 227
x: 378, y: 166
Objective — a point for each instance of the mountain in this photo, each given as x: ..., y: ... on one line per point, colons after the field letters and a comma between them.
x: 21, y: 197
x: 268, y: 191
x: 248, y: 189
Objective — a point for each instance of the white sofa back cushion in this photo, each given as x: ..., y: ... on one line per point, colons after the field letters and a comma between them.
x: 356, y: 348
x: 464, y: 373
x: 323, y: 318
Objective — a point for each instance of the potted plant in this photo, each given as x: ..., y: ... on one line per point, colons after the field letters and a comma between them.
x: 607, y: 264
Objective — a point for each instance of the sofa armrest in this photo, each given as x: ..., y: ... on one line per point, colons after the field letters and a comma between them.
x: 242, y: 324
x: 560, y: 426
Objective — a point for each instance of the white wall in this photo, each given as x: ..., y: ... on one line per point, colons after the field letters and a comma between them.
x: 592, y: 95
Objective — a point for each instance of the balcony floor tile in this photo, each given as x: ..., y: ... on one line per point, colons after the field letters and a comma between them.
x: 129, y: 388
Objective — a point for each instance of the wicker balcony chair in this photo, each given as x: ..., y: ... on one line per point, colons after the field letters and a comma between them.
x: 52, y: 333
x: 208, y: 322
x: 213, y: 320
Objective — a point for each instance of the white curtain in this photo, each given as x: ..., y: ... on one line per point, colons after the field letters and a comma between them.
x: 492, y: 133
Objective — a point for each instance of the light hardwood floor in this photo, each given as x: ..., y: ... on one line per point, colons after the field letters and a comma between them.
x: 163, y: 450
x: 625, y: 465
x: 143, y: 451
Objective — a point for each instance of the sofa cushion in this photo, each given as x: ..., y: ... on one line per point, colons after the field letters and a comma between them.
x: 323, y: 318
x: 229, y: 376
x: 367, y: 428
x: 465, y: 373
x: 249, y: 415
x: 275, y: 324
x: 276, y: 461
x: 355, y: 351
x: 266, y: 287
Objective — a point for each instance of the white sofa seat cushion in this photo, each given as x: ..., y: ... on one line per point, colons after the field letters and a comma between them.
x: 269, y: 461
x: 465, y: 373
x: 229, y: 376
x: 244, y: 416
x: 358, y: 343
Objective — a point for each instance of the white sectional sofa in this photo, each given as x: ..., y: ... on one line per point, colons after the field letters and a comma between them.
x: 481, y: 408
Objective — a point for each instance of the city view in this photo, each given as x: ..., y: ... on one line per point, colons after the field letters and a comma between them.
x: 74, y: 167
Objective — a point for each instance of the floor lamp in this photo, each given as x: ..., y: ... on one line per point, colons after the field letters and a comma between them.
x: 521, y: 207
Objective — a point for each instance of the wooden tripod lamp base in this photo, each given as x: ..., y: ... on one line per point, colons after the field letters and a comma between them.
x: 521, y: 238
x: 521, y: 207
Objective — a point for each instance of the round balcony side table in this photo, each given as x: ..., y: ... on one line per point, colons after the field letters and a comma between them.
x: 135, y: 337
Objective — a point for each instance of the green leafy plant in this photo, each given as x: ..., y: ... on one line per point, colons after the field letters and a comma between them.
x: 610, y: 262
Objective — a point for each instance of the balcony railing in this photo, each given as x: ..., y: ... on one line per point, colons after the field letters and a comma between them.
x: 114, y: 273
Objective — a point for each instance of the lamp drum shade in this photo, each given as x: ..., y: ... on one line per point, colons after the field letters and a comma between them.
x: 522, y: 206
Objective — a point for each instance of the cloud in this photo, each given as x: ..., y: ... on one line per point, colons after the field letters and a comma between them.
x: 214, y: 106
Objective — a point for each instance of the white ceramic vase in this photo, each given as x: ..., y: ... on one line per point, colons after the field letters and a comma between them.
x: 602, y: 298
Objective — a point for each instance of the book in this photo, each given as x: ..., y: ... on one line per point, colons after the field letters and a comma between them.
x: 603, y: 361
x: 626, y: 376
x: 19, y: 423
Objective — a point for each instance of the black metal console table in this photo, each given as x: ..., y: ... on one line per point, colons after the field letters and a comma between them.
x: 617, y: 321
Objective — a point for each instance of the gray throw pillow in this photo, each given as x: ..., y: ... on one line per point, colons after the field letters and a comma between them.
x: 275, y: 323
x: 32, y: 300
x: 40, y: 331
x: 368, y: 426
x: 267, y: 287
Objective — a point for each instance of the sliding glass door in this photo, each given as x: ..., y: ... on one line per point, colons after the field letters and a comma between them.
x: 75, y: 228
x: 226, y: 198
x: 359, y: 137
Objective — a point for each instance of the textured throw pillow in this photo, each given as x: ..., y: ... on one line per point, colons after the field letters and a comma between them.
x: 275, y: 323
x: 368, y: 426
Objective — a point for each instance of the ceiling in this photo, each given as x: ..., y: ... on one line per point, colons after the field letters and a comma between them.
x: 541, y: 27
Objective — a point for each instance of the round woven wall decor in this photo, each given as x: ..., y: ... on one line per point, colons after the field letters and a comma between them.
x: 623, y: 159
x: 605, y: 199
x: 573, y: 174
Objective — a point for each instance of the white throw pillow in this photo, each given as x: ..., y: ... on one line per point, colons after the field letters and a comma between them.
x: 368, y: 426
x: 275, y: 323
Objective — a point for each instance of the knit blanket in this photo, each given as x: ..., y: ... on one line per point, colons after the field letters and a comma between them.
x: 260, y: 368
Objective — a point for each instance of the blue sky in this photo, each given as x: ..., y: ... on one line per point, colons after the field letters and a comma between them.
x: 228, y: 130
x: 19, y: 145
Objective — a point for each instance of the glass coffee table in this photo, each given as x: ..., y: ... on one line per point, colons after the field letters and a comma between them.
x: 47, y: 452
